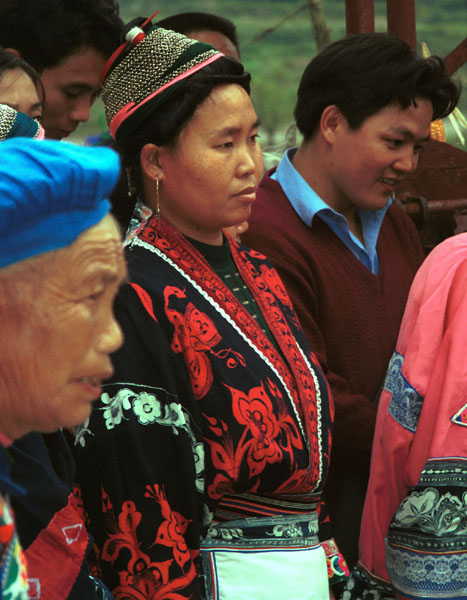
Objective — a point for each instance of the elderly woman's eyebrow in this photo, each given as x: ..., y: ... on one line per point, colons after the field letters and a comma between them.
x: 103, y: 274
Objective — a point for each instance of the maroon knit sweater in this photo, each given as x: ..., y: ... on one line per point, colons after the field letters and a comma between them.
x: 350, y: 316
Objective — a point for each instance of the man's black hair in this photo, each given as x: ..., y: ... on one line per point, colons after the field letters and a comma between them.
x: 45, y: 32
x: 190, y: 22
x: 363, y: 73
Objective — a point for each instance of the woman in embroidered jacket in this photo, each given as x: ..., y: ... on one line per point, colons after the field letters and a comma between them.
x: 210, y: 445
x: 414, y: 530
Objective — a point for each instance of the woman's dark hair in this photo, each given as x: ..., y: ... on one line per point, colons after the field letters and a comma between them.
x: 10, y: 61
x: 164, y: 125
x: 363, y: 73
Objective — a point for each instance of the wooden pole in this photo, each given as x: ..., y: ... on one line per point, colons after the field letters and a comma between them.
x: 359, y: 16
x: 401, y: 20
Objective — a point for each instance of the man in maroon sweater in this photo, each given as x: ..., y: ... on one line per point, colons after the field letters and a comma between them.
x: 345, y: 251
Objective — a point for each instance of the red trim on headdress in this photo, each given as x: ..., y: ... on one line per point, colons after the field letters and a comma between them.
x: 123, y: 46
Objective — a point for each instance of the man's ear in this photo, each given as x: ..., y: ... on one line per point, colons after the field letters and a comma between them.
x: 149, y: 160
x: 331, y: 123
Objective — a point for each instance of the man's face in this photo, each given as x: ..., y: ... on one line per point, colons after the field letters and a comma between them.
x: 70, y: 89
x: 368, y: 162
x: 59, y: 332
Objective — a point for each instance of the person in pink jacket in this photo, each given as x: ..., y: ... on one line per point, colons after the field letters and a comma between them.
x: 413, y: 537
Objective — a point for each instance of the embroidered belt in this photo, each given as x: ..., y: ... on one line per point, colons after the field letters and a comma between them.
x: 244, y: 506
x: 271, y: 552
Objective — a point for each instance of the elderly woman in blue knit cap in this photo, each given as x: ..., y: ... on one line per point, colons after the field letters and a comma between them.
x: 60, y: 267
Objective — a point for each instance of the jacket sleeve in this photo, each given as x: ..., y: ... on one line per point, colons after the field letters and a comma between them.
x: 49, y: 524
x: 140, y: 466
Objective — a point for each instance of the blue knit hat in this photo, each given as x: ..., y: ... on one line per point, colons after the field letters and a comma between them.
x: 17, y: 124
x: 50, y: 192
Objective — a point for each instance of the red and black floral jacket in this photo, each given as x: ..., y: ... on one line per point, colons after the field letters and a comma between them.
x: 201, y: 405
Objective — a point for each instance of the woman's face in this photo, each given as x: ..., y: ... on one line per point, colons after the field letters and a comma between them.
x: 208, y: 181
x: 18, y: 91
x: 58, y: 331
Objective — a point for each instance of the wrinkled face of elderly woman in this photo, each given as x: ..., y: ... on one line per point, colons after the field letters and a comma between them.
x: 208, y: 181
x: 58, y: 330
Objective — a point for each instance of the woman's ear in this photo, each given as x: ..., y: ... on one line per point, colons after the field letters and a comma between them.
x: 149, y: 160
x: 331, y: 123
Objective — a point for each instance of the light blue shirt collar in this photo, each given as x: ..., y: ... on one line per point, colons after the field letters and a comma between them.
x: 307, y: 204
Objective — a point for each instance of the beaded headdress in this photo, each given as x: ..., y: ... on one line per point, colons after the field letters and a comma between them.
x: 145, y: 70
x: 17, y: 124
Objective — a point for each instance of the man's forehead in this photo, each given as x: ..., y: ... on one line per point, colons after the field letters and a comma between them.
x: 82, y: 67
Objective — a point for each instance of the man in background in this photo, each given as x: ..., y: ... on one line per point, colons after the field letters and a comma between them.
x: 68, y: 43
x: 345, y: 251
x: 208, y: 28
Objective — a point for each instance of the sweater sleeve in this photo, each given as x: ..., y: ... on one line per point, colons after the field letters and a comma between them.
x: 139, y: 466
x: 353, y: 412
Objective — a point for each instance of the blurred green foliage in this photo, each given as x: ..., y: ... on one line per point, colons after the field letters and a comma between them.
x: 285, y: 46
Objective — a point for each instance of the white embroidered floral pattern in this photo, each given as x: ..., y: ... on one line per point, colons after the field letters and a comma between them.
x: 149, y: 410
x: 113, y: 415
x: 433, y: 513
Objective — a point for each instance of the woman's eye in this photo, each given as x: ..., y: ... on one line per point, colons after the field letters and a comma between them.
x: 254, y: 138
x: 395, y: 143
x: 226, y: 145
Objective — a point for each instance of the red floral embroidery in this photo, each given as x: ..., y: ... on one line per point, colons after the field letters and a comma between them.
x: 145, y: 299
x: 255, y: 410
x: 172, y: 529
x: 128, y: 521
x: 259, y: 277
x: 195, y: 334
x: 143, y: 579
x: 275, y: 284
x: 270, y: 433
x: 220, y: 486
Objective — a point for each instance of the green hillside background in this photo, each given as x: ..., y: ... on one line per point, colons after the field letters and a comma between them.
x: 276, y: 43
